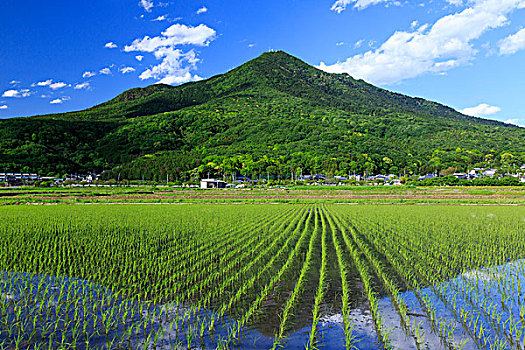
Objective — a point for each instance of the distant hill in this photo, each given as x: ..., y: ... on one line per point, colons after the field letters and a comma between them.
x: 272, y: 115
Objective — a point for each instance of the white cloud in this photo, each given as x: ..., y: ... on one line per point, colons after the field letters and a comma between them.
x: 455, y: 2
x: 3, y: 107
x: 146, y: 5
x: 14, y: 82
x: 481, y: 110
x: 202, y: 10
x: 341, y: 5
x: 139, y: 58
x: 10, y: 93
x: 88, y: 74
x: 111, y: 45
x: 125, y: 70
x: 43, y: 83
x: 60, y: 100
x: 82, y: 86
x: 50, y: 83
x: 359, y: 43
x: 341, y: 43
x: 59, y: 85
x: 17, y: 93
x: 513, y: 43
x: 446, y: 44
x: 251, y: 45
x: 177, y: 34
x: 159, y: 19
x: 105, y: 71
x: 176, y: 65
x: 516, y: 121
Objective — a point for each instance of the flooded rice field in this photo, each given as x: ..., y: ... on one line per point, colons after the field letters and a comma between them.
x: 262, y: 277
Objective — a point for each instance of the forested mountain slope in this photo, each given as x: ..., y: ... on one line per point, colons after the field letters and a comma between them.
x: 273, y: 114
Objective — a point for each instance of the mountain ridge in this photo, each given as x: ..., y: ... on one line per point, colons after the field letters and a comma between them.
x: 134, y: 94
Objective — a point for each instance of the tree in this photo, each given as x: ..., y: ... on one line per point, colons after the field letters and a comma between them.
x: 506, y: 158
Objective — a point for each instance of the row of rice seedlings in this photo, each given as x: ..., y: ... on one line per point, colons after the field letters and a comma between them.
x: 59, y: 314
x: 292, y: 256
x: 471, y: 304
x: 229, y: 277
x: 227, y: 304
x: 388, y: 283
x: 413, y: 277
x: 61, y: 239
x: 197, y: 259
x: 238, y: 277
x: 104, y: 318
x: 472, y: 307
x: 241, y: 254
x: 344, y: 267
x: 498, y: 297
x: 321, y: 289
x: 193, y: 275
x: 496, y: 315
x: 200, y: 259
x: 257, y: 268
x: 216, y: 241
x: 405, y: 270
x: 459, y: 237
x: 467, y: 319
x: 230, y: 260
x: 503, y: 292
x: 298, y: 289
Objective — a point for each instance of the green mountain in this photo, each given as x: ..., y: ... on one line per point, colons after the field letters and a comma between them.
x: 273, y: 114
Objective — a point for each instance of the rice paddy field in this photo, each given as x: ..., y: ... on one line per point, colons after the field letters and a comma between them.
x: 279, y: 194
x: 289, y: 276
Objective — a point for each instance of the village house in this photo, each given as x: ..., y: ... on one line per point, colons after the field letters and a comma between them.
x: 18, y: 178
x: 212, y: 183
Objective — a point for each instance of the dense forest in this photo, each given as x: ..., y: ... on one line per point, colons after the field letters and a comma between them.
x: 274, y: 115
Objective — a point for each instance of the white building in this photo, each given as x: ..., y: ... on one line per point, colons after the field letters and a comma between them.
x: 212, y: 183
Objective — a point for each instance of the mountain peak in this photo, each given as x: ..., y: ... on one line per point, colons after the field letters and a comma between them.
x: 278, y: 53
x: 273, y: 59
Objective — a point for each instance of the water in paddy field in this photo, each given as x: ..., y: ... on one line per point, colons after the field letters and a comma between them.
x: 479, y: 309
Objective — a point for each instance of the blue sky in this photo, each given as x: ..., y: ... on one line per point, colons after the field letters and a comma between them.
x: 68, y: 55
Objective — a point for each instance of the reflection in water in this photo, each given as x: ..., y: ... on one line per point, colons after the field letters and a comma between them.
x: 490, y: 299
